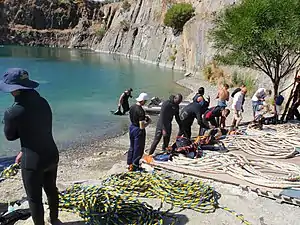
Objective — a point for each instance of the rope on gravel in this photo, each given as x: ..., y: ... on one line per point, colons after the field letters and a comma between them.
x: 10, y: 171
x: 286, y: 130
x: 262, y: 172
x: 277, y: 142
x: 115, y: 201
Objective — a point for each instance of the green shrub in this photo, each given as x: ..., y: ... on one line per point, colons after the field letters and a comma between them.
x: 126, y: 5
x: 125, y: 25
x: 207, y: 72
x: 172, y: 58
x: 238, y: 79
x: 178, y: 15
x: 101, y: 32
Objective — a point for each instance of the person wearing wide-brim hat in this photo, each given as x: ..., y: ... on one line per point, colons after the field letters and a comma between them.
x: 30, y: 120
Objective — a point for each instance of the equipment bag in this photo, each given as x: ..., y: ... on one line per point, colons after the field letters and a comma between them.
x: 183, y: 142
x: 209, y: 114
x: 163, y: 157
x: 279, y: 100
x: 13, y: 217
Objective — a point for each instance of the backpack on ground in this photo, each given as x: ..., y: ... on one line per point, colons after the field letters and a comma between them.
x: 279, y: 100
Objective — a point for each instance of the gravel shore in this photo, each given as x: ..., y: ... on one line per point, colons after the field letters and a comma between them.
x: 99, y: 159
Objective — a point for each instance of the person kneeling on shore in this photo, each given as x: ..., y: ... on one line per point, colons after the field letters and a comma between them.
x: 169, y: 109
x: 189, y: 113
x: 137, y: 133
x: 212, y: 115
x: 258, y: 100
x: 30, y: 120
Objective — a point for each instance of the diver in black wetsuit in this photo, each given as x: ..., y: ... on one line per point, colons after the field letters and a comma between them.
x: 30, y: 120
x: 123, y: 101
x: 189, y: 113
x: 200, y: 93
x: 169, y: 109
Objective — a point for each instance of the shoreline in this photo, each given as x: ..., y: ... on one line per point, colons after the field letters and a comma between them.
x: 91, y: 164
x: 91, y: 160
x: 138, y: 58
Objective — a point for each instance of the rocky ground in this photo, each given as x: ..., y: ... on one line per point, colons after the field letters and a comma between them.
x: 93, y: 162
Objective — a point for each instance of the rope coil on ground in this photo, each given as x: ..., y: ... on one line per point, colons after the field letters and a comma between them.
x: 115, y: 200
x: 262, y: 172
x: 277, y: 142
x: 10, y: 171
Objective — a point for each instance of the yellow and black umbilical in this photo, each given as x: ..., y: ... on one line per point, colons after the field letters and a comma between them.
x: 114, y: 202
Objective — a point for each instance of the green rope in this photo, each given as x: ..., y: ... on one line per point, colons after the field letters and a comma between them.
x: 115, y: 201
x: 10, y: 171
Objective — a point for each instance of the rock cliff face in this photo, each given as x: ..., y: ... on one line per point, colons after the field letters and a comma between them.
x: 60, y: 23
x: 136, y: 31
x: 148, y: 39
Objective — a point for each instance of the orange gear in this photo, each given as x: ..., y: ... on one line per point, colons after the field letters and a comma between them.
x: 148, y: 159
x: 130, y: 167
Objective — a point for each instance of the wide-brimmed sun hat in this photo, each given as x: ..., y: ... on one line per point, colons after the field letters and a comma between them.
x: 142, y: 97
x: 16, y: 79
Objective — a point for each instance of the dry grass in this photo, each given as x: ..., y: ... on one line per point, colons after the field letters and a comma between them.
x: 217, y: 76
x: 214, y: 74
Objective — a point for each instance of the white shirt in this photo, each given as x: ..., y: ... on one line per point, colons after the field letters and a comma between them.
x: 238, y: 101
x: 259, y: 94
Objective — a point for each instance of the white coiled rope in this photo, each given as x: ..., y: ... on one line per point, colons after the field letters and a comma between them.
x: 277, y: 142
x: 262, y: 172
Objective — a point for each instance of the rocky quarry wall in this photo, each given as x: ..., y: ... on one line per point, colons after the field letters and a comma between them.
x: 136, y: 31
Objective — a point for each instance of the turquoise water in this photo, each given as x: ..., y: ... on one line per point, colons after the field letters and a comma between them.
x: 83, y: 87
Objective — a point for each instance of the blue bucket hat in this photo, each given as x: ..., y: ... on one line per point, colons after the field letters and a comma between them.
x: 15, y: 79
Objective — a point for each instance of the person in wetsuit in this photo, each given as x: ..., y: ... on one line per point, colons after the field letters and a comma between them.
x: 212, y: 115
x: 200, y: 93
x: 169, y: 109
x: 30, y: 120
x: 124, y: 102
x: 187, y: 116
x: 137, y: 133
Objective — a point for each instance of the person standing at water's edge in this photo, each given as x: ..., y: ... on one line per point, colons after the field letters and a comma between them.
x: 30, y: 119
x: 137, y: 132
x: 169, y: 109
x: 123, y: 101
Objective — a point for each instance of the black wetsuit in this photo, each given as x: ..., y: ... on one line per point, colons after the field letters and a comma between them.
x: 187, y: 116
x: 30, y: 119
x: 168, y: 110
x: 195, y: 98
x: 125, y: 104
x: 212, y: 116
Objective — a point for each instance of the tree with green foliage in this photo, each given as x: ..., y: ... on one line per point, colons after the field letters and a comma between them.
x: 178, y: 15
x: 260, y: 34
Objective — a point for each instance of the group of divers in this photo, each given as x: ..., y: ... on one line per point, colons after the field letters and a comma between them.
x: 29, y: 119
x: 207, y: 117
